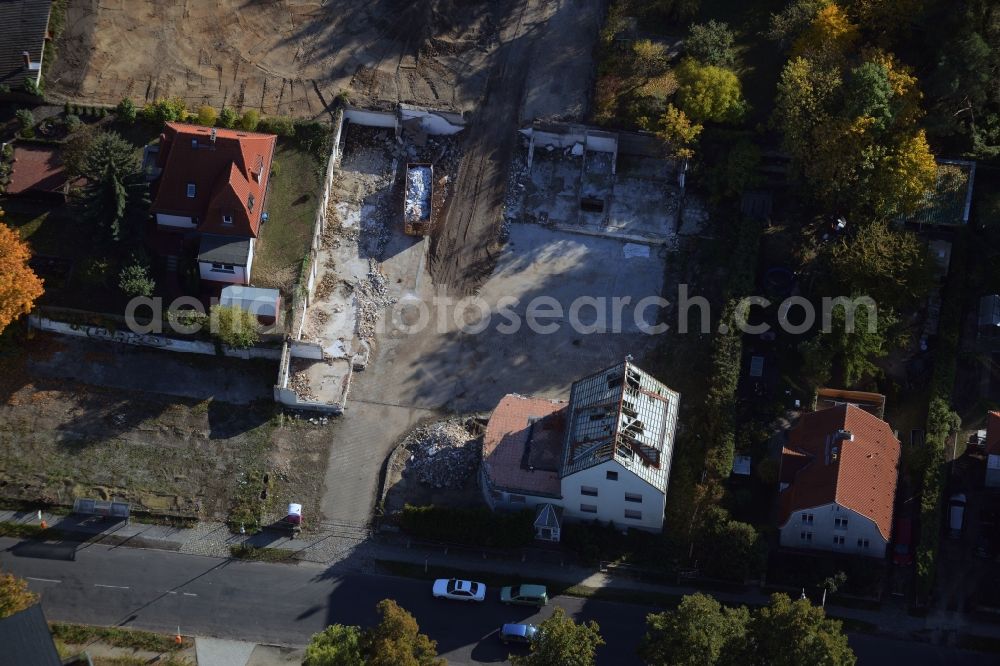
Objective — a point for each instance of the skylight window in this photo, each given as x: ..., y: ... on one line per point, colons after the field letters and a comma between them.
x: 190, y: 190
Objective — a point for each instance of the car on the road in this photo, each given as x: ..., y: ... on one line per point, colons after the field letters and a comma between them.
x: 527, y: 595
x: 460, y: 590
x: 956, y: 515
x: 902, y: 552
x: 518, y: 633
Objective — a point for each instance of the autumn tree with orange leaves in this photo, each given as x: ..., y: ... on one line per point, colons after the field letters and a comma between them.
x: 19, y: 286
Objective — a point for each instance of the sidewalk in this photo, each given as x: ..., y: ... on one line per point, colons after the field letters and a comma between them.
x: 349, y: 550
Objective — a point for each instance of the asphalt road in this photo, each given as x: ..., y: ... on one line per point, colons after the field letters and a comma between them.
x: 286, y: 604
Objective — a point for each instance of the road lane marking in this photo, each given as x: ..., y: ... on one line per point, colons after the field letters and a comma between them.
x: 43, y: 580
x: 114, y: 587
x: 190, y: 594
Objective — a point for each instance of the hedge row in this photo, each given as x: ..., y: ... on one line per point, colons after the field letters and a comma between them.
x: 939, y: 421
x: 473, y: 527
x: 719, y: 414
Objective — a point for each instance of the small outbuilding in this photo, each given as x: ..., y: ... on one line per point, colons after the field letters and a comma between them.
x: 548, y: 522
x: 264, y: 303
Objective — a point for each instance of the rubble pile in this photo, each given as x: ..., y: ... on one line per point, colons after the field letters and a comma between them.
x: 372, y: 297
x: 417, y: 202
x: 299, y: 381
x: 443, y: 455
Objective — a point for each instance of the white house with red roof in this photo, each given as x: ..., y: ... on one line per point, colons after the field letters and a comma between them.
x: 211, y: 189
x: 838, y: 482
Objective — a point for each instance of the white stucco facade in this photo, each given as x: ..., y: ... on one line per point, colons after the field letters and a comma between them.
x: 833, y: 528
x: 622, y: 497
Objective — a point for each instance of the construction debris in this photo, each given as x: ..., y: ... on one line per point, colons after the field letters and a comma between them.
x: 444, y: 454
x: 372, y: 297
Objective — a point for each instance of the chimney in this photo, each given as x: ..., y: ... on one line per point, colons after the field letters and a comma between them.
x: 27, y: 59
x: 845, y: 436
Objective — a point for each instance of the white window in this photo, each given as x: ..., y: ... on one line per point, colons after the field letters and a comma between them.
x: 862, y: 543
x: 633, y: 497
x: 517, y: 498
x: 227, y: 219
x: 223, y: 268
x: 589, y: 491
x: 838, y: 541
x: 190, y: 190
x: 588, y: 508
x: 194, y: 144
x: 634, y: 515
x: 807, y: 518
x: 806, y: 536
x: 840, y: 523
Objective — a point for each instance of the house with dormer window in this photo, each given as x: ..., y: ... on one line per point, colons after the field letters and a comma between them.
x: 837, y: 484
x: 209, y: 191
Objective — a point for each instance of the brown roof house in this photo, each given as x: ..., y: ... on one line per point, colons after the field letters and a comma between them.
x: 605, y: 454
x: 211, y: 187
x: 24, y: 27
x: 838, y: 482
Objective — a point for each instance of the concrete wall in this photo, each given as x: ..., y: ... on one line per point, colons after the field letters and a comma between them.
x: 372, y: 118
x: 610, y: 499
x: 433, y: 122
x: 148, y: 340
x: 823, y: 529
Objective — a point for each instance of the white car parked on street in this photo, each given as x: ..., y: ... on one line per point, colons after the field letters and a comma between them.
x: 460, y: 590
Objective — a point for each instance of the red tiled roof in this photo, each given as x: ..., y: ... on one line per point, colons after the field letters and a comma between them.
x: 226, y: 175
x: 36, y: 169
x: 993, y: 433
x: 506, y: 440
x: 862, y: 477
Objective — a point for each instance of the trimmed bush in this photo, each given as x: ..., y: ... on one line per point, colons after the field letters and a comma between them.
x: 250, y: 120
x: 207, y: 116
x: 473, y: 527
x: 280, y: 125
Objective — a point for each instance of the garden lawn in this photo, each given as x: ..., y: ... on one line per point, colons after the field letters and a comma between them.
x: 292, y: 200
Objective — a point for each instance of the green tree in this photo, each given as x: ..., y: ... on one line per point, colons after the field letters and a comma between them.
x: 228, y: 118
x: 678, y: 133
x: 890, y: 265
x: 869, y: 93
x: 707, y: 92
x: 396, y: 640
x: 562, y: 641
x: 26, y: 122
x: 234, y: 326
x: 207, y: 116
x: 115, y: 197
x: 126, y: 110
x: 786, y: 25
x: 850, y: 345
x: 712, y: 43
x: 727, y: 548
x: 700, y: 632
x: 14, y: 595
x: 648, y: 58
x: 337, y: 645
x: 796, y: 633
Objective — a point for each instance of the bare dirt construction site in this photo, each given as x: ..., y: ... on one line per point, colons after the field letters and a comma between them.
x: 62, y: 439
x: 291, y: 57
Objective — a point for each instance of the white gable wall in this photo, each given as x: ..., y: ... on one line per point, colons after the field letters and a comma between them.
x: 610, y: 500
x: 823, y: 529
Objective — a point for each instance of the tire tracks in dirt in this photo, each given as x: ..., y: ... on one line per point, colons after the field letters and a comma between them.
x: 464, y: 247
